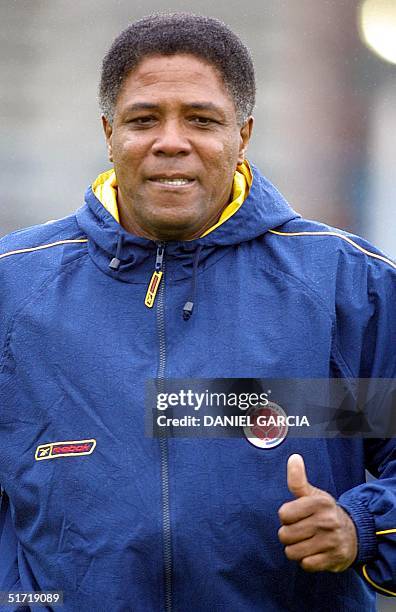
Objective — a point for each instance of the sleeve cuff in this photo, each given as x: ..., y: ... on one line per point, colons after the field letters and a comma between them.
x: 365, y: 529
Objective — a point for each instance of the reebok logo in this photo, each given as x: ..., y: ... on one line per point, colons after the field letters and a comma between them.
x: 68, y: 448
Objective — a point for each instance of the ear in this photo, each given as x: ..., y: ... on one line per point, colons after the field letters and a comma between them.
x: 245, y: 134
x: 108, y: 132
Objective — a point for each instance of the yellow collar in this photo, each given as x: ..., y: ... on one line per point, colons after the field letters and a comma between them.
x: 105, y: 189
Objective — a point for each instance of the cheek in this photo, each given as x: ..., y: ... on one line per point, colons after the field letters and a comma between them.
x: 229, y: 152
x: 223, y: 164
x: 130, y: 149
x: 217, y: 150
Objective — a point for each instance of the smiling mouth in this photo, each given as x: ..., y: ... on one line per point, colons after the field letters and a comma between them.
x: 172, y: 182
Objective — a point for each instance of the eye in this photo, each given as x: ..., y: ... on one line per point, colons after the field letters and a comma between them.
x: 144, y: 121
x: 202, y: 121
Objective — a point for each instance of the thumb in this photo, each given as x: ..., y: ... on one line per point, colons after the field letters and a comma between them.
x: 297, y: 481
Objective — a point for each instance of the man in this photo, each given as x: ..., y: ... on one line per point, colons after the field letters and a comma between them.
x: 186, y: 262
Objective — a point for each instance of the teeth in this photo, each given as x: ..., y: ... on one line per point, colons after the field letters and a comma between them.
x: 177, y: 181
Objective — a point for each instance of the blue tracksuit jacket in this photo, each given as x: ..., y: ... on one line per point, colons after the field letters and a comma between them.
x: 141, y: 524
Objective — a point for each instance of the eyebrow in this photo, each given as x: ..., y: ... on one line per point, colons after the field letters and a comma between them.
x: 205, y: 106
x: 208, y: 106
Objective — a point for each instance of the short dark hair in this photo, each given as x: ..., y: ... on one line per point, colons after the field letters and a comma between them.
x: 168, y: 34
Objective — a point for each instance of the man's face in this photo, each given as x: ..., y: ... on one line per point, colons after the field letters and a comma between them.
x: 175, y: 144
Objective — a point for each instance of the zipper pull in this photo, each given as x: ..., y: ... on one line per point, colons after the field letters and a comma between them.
x: 156, y: 277
x: 160, y: 256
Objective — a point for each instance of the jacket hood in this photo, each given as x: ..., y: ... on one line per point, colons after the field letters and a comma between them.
x: 263, y: 209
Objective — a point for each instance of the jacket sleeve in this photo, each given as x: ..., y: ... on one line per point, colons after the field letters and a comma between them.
x: 9, y: 574
x: 372, y: 507
x: 366, y: 342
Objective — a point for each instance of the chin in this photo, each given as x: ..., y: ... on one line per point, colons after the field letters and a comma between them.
x: 173, y: 233
x: 166, y: 229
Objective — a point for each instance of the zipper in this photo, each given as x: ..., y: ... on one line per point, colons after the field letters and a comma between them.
x: 155, y: 279
x: 163, y: 442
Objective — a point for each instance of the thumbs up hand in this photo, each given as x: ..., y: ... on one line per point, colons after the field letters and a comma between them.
x: 315, y: 531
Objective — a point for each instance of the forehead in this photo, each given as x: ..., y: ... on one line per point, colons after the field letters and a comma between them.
x: 160, y: 76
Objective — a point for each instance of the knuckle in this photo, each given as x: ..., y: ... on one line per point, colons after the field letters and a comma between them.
x: 281, y: 534
x: 326, y: 501
x: 329, y: 521
x: 291, y: 553
x: 315, y: 565
x: 308, y: 565
x: 282, y: 512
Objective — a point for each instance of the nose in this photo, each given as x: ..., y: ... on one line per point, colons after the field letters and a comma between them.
x: 171, y: 140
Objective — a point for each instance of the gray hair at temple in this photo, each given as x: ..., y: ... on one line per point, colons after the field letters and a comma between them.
x: 168, y: 34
